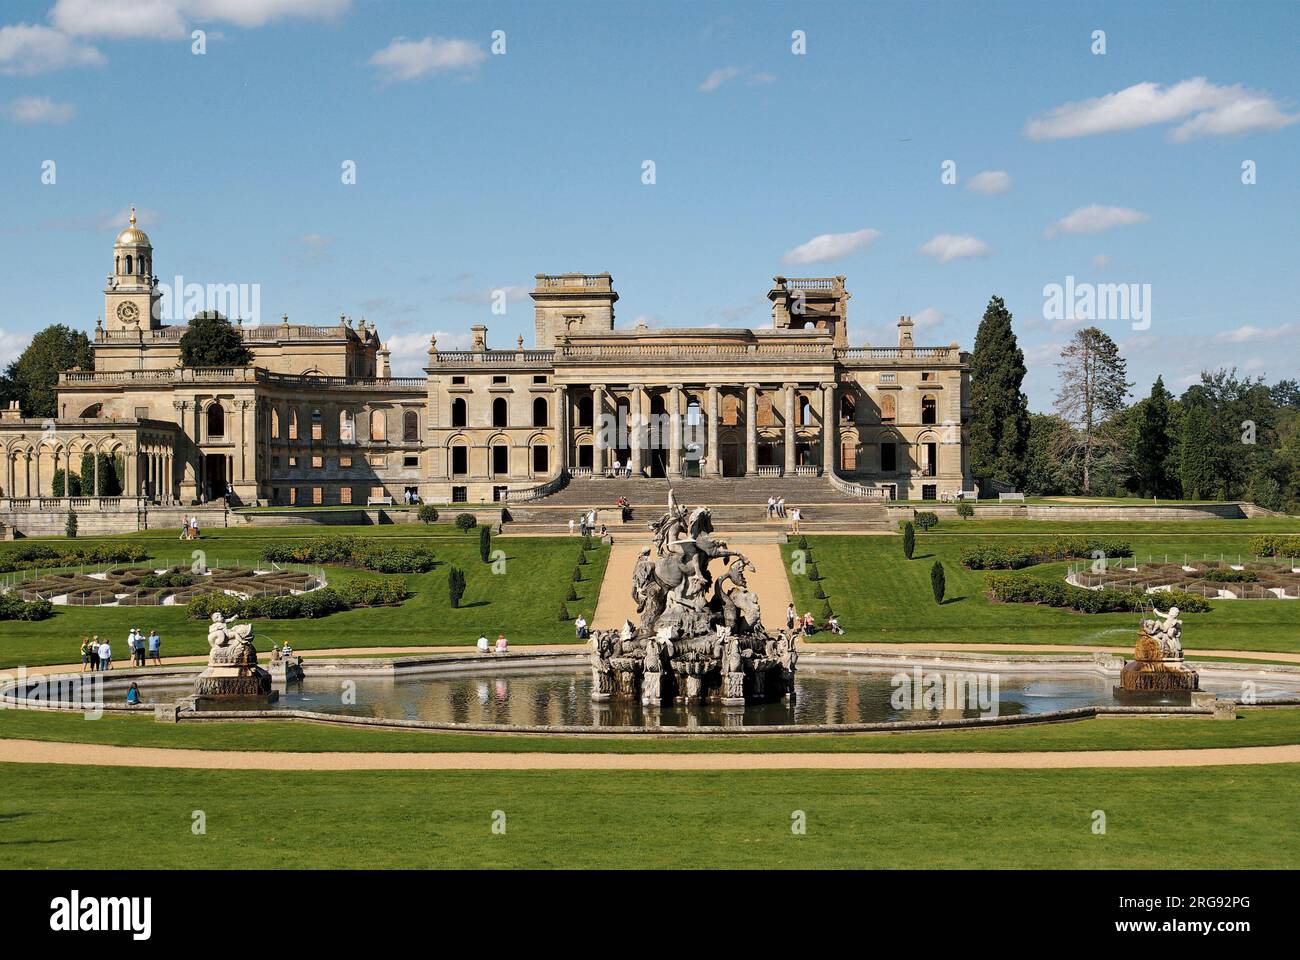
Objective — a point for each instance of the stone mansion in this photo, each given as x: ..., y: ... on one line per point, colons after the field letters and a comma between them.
x: 318, y: 419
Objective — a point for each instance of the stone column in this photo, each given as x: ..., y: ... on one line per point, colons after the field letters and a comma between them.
x: 713, y: 464
x: 597, y: 434
x: 830, y: 417
x: 562, y: 439
x: 790, y: 391
x: 751, y: 429
x: 675, y: 432
x: 636, y: 412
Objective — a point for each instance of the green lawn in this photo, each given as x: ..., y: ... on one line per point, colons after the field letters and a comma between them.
x: 882, y: 597
x: 523, y: 601
x: 1227, y: 817
x: 1252, y: 728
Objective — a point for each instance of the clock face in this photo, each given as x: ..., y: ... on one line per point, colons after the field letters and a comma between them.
x: 128, y: 312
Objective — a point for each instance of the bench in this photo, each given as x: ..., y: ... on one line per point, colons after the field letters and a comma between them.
x: 1012, y: 496
x: 379, y: 501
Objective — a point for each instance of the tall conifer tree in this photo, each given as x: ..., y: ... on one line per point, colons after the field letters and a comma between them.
x: 999, y: 424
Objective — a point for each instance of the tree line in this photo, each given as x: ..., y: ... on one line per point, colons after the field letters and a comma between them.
x: 1227, y: 437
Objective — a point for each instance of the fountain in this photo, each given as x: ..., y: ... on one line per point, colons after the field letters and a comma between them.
x: 699, y: 638
x: 232, y: 673
x: 1157, y: 668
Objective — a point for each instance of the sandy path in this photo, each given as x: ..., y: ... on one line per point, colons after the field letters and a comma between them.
x: 36, y: 751
x: 853, y: 647
x: 769, y: 582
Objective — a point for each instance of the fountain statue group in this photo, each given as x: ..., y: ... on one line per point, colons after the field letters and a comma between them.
x: 232, y: 672
x: 699, y: 637
x: 1157, y: 666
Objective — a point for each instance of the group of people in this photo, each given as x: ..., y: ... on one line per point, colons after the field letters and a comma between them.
x: 618, y: 469
x: 411, y: 497
x: 807, y: 625
x: 97, y: 654
x: 485, y: 646
x: 586, y: 525
x: 189, y: 528
x: 776, y: 510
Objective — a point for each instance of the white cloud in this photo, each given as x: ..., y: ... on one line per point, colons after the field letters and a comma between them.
x: 929, y: 317
x: 410, y: 351
x: 27, y: 49
x: 405, y: 59
x: 990, y: 182
x: 724, y: 75
x: 946, y: 247
x: 11, y: 345
x: 830, y: 246
x: 1214, y: 111
x: 39, y: 110
x: 1096, y: 219
x: 170, y: 19
x: 1253, y: 334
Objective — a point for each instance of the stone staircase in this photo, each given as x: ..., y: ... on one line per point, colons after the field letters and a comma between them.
x: 739, y: 506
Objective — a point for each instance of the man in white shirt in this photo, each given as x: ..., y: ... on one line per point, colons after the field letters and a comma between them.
x: 580, y: 627
x: 105, y: 656
x: 483, y: 645
x: 194, y: 527
x: 771, y: 507
x: 618, y: 467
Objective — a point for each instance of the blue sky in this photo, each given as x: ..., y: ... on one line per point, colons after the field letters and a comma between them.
x: 477, y: 170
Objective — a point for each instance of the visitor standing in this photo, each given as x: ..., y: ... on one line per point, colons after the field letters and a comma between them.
x: 155, y: 644
x: 85, y: 652
x: 795, y: 517
x: 790, y: 615
x: 571, y: 526
x: 130, y: 646
x: 94, y: 653
x: 771, y: 507
x: 780, y: 507
x: 105, y: 656
x: 185, y: 529
x: 618, y: 467
x: 194, y: 527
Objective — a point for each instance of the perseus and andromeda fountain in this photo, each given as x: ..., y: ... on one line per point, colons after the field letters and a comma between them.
x: 700, y: 637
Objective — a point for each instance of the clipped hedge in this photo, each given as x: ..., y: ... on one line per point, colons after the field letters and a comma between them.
x: 996, y: 556
x: 33, y: 556
x: 345, y: 595
x: 14, y: 608
x: 354, y: 552
x: 1026, y: 588
x: 1275, y: 545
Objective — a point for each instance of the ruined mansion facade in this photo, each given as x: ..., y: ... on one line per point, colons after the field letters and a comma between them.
x: 318, y: 419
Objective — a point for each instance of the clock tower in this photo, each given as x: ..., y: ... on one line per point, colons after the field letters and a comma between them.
x: 131, y: 297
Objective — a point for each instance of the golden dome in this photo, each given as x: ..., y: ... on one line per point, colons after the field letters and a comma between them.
x: 132, y: 236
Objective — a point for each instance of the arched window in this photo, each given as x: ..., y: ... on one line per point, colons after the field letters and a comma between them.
x: 585, y: 409
x: 888, y: 408
x: 293, y: 423
x: 763, y: 411
x: 410, y: 427
x: 275, y: 423
x: 378, y: 425
x: 347, y: 427
x: 500, y: 412
x: 317, y: 428
x: 540, y: 412
x: 216, y: 420
x: 928, y: 409
x: 848, y: 407
x: 459, y: 414
x: 805, y: 411
x: 128, y: 263
x: 730, y: 410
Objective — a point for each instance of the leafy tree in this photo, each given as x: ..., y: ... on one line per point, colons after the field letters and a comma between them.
x: 210, y: 341
x: 1046, y: 473
x: 1093, y: 387
x: 1286, y: 393
x: 455, y: 586
x: 32, y: 379
x: 937, y: 585
x: 999, y: 424
x: 1197, y: 468
x: 1152, y: 463
x: 909, y: 539
x: 465, y: 522
x: 427, y: 513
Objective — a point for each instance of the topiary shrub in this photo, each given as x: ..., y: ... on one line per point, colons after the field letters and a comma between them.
x: 819, y: 593
x: 577, y: 575
x: 965, y: 510
x: 484, y: 544
x: 564, y: 612
x: 427, y: 513
x: 813, y: 573
x: 12, y: 608
x: 925, y: 519
x: 465, y: 522
x: 572, y: 594
x: 827, y: 613
x: 455, y: 586
x: 909, y: 540
x: 70, y: 528
x: 803, y: 544
x: 937, y: 585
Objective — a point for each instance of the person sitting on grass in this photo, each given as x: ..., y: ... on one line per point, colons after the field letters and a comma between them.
x: 833, y: 625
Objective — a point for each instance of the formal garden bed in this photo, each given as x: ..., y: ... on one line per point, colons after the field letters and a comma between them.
x: 1216, y: 579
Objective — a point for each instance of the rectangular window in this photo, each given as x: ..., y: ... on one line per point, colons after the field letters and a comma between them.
x: 345, y: 462
x: 275, y: 462
x: 293, y: 496
x: 377, y: 460
x: 317, y: 462
x: 888, y: 457
x: 501, y: 459
x: 293, y: 461
x: 541, y: 459
x: 459, y: 460
x: 931, y: 459
x: 928, y: 491
x: 316, y: 496
x: 460, y: 494
x: 457, y: 381
x: 540, y: 378
x: 412, y: 461
x: 927, y: 374
x: 499, y: 378
x: 376, y: 492
x: 142, y: 413
x: 315, y: 431
x: 345, y: 494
